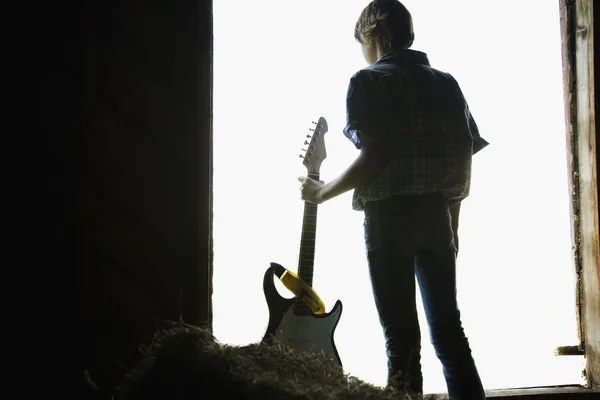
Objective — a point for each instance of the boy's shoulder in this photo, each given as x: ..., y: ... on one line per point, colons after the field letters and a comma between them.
x: 402, y: 64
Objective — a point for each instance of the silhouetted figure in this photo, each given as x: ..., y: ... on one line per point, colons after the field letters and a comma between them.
x: 416, y: 137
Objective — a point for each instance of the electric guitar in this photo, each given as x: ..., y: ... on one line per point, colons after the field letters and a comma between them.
x: 302, y: 322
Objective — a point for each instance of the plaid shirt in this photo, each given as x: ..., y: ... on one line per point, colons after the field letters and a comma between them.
x: 422, y: 119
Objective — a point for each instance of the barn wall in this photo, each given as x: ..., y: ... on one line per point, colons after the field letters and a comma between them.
x: 144, y: 198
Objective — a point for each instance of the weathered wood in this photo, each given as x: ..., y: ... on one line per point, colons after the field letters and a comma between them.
x: 586, y: 147
x: 569, y: 351
x: 554, y: 393
x: 579, y: 75
x: 567, y: 21
x: 533, y: 393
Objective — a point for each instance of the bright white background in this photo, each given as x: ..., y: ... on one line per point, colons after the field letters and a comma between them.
x: 280, y: 64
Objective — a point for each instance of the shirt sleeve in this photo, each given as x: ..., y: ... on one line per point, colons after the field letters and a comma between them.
x: 478, y: 142
x: 365, y: 113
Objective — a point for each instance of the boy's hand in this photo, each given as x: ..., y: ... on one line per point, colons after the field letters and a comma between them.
x: 310, y: 189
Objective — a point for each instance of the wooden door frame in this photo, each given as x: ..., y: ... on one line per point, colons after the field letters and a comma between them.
x: 578, y: 42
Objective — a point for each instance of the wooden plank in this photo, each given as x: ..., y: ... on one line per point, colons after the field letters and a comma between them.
x: 533, y: 393
x: 586, y: 147
x: 578, y: 60
x: 554, y: 393
x: 567, y: 22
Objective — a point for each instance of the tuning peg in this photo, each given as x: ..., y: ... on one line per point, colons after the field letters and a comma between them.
x: 314, y: 122
x: 300, y: 155
x: 306, y: 142
x: 308, y: 136
x: 303, y: 149
x: 311, y: 129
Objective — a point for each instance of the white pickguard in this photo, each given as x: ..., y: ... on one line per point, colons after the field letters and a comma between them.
x: 307, y: 333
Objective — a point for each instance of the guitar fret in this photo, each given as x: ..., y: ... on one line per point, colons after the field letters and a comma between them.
x: 307, y: 242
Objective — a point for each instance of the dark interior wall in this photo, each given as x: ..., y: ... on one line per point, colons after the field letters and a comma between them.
x: 41, y: 117
x: 107, y: 215
x: 145, y: 176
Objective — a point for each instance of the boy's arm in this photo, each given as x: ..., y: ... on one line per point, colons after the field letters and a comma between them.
x: 368, y: 163
x: 366, y: 129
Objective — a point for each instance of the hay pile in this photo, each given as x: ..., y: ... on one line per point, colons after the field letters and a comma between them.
x: 186, y: 362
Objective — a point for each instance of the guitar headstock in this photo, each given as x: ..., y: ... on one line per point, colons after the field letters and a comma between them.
x: 315, y: 151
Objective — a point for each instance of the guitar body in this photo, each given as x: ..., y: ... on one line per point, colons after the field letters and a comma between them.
x: 300, y: 331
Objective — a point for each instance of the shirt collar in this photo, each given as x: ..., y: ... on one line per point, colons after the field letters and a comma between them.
x: 410, y: 56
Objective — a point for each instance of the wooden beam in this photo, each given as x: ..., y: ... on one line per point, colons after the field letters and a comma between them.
x: 577, y: 24
x: 554, y: 393
x: 569, y: 351
x: 567, y: 17
x: 564, y: 392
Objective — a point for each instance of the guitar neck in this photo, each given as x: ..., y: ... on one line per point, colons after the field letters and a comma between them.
x: 307, y: 242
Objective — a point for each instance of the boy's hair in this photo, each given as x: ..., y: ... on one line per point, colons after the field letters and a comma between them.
x: 388, y: 20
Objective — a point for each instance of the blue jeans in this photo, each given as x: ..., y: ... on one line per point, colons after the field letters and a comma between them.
x: 407, y: 236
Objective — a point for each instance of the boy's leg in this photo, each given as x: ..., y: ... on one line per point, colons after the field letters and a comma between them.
x: 390, y: 254
x: 393, y: 284
x: 436, y: 274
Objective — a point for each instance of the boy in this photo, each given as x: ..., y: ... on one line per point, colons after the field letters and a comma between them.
x: 416, y: 138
